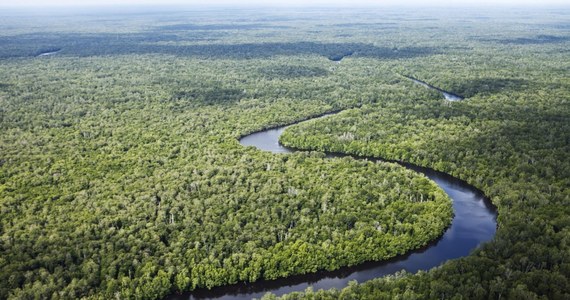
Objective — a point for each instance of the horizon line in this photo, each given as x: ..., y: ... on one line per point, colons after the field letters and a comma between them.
x: 284, y: 5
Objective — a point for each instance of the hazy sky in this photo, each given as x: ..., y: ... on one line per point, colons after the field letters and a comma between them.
x: 280, y: 2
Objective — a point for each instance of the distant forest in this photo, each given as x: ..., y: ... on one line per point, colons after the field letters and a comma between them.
x: 121, y: 174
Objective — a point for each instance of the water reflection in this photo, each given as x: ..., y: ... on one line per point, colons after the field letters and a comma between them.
x: 474, y: 223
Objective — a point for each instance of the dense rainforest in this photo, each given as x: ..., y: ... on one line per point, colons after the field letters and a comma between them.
x: 121, y: 174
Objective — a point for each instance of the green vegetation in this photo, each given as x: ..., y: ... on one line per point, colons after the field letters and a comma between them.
x: 121, y: 174
x: 137, y: 185
x: 511, y: 139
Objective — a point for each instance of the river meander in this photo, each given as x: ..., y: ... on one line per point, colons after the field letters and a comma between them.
x: 474, y: 223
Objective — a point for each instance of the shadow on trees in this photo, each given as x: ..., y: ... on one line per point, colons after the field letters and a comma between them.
x: 286, y: 71
x: 214, y: 27
x: 210, y: 96
x: 387, y: 25
x: 537, y: 40
x: 121, y: 44
x: 488, y: 86
x: 496, y: 111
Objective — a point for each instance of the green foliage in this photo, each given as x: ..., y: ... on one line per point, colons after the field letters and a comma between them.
x: 293, y: 71
x: 121, y: 175
x: 511, y: 140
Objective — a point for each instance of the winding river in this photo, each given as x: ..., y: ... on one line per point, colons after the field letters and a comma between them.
x: 474, y: 223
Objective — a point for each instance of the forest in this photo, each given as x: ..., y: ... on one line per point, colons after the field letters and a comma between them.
x: 121, y: 173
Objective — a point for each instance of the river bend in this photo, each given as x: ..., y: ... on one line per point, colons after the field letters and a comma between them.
x: 474, y: 223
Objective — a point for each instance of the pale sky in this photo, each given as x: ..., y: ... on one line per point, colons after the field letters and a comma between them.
x: 281, y: 2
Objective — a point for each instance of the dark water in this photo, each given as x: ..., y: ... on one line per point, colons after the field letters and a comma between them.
x: 339, y: 57
x: 474, y: 223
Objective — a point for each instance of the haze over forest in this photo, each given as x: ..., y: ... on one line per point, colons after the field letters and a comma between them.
x: 287, y: 3
x: 307, y: 150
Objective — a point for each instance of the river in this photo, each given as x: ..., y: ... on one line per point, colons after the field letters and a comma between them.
x: 447, y: 95
x: 474, y: 223
x: 49, y: 53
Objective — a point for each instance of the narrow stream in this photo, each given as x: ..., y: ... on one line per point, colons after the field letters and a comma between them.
x: 474, y: 223
x: 448, y: 95
x: 48, y: 53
